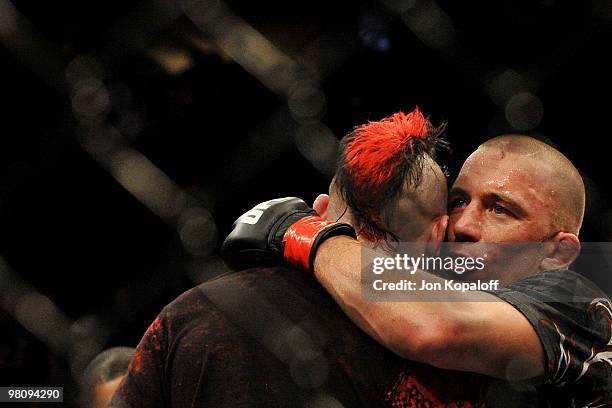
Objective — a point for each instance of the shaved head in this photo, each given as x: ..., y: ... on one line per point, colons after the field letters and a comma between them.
x: 417, y: 205
x: 558, y: 178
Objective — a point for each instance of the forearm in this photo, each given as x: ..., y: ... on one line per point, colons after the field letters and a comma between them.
x: 468, y: 331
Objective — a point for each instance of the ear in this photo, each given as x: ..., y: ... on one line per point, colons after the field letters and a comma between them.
x: 564, y: 250
x: 438, y: 232
x: 321, y: 204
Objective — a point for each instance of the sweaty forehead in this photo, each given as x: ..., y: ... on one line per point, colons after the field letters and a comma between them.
x: 519, y: 176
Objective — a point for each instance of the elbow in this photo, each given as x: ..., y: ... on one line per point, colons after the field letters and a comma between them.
x: 435, y: 342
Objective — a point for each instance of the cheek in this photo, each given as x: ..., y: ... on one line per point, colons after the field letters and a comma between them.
x: 531, y: 231
x: 496, y: 228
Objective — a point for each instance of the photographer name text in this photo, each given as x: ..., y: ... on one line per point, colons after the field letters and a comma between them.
x: 426, y: 286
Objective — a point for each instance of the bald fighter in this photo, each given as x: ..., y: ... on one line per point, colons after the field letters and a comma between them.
x: 512, y: 189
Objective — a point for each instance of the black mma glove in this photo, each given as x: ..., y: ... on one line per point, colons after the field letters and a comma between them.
x: 276, y: 230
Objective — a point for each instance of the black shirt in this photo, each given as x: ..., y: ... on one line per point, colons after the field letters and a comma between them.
x: 266, y: 337
x: 573, y: 319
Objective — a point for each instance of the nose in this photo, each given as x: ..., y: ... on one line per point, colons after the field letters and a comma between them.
x: 467, y: 225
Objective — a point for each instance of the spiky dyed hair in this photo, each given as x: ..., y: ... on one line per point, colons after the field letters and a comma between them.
x: 375, y: 161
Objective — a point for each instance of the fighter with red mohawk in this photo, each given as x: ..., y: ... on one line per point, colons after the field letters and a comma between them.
x: 271, y: 336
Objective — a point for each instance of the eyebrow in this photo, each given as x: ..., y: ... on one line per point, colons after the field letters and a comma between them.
x: 518, y: 209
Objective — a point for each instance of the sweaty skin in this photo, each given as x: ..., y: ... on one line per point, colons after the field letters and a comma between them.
x: 509, y: 190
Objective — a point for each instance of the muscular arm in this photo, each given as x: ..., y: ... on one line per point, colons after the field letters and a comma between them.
x: 472, y: 331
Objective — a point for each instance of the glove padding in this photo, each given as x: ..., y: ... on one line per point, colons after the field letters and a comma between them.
x: 259, y: 236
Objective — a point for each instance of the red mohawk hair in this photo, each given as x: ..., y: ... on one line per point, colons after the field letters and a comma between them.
x: 377, y: 149
x: 377, y: 158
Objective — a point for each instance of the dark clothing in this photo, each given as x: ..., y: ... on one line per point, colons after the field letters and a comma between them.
x: 573, y: 320
x: 272, y: 337
x: 266, y: 337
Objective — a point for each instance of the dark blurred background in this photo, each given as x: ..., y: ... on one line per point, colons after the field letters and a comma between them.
x: 134, y: 132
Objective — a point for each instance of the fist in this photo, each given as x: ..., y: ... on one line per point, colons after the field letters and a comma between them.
x: 257, y: 235
x: 285, y: 229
